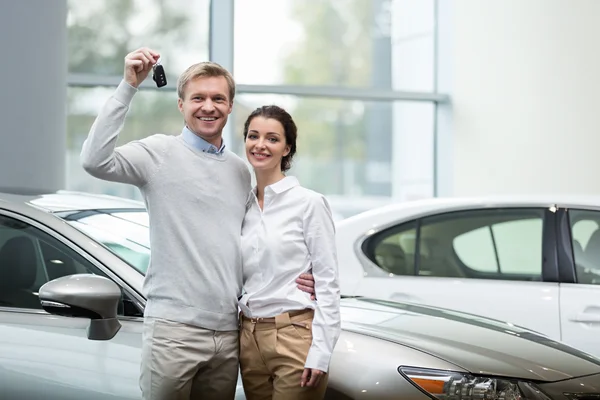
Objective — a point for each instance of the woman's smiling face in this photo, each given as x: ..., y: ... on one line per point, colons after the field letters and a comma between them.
x: 265, y: 143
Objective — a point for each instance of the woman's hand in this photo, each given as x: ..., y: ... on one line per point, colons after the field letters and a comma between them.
x: 311, y: 377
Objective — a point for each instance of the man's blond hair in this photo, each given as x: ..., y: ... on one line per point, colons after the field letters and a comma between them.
x: 205, y: 69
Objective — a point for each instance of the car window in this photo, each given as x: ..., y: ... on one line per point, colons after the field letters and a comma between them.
x: 485, y: 244
x: 481, y: 244
x: 585, y: 237
x: 394, y: 251
x: 512, y: 247
x: 30, y: 257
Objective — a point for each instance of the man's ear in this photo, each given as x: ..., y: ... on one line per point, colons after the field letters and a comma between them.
x: 180, y: 105
x: 230, y: 107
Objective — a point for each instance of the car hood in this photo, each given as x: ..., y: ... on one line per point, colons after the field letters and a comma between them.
x: 477, y: 344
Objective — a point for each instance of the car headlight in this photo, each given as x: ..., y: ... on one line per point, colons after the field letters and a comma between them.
x: 450, y: 385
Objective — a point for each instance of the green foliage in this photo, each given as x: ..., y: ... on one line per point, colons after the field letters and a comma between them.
x: 100, y: 34
x: 335, y: 51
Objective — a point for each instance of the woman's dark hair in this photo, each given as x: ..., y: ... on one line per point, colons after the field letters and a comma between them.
x: 289, y: 129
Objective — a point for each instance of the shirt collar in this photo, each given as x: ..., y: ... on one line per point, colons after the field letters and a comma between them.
x: 198, y: 143
x: 278, y: 187
x: 285, y: 184
x: 281, y: 186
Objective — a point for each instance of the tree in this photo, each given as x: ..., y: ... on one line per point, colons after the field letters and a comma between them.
x: 336, y: 50
x: 102, y: 33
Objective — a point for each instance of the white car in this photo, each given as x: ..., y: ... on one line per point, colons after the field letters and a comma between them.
x: 533, y: 262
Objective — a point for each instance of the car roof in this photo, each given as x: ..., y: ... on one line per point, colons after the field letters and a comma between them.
x: 64, y: 200
x: 442, y: 204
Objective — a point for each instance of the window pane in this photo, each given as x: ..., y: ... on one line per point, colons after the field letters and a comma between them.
x: 519, y: 246
x: 585, y: 234
x: 151, y: 112
x: 476, y: 250
x: 387, y: 44
x: 102, y: 32
x: 28, y: 259
x: 483, y: 244
x: 367, y: 151
x: 394, y: 250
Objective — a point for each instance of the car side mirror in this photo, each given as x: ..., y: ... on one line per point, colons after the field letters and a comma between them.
x: 85, y: 296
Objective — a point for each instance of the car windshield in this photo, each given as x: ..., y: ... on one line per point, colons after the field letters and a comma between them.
x: 124, y: 232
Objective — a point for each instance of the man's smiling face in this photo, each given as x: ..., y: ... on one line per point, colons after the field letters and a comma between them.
x: 206, y: 106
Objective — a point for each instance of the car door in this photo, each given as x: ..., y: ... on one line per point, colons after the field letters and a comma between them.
x: 47, y: 356
x: 580, y: 291
x: 499, y: 263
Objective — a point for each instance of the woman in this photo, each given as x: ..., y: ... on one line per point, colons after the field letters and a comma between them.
x: 287, y: 339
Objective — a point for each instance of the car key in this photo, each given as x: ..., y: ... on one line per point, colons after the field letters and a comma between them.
x: 159, y: 75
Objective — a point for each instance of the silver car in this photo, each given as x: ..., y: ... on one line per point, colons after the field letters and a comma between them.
x: 71, y: 272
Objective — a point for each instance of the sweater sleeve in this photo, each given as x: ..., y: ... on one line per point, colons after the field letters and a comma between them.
x: 133, y: 163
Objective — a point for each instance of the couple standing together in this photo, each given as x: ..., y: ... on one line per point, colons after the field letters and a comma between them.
x: 199, y: 198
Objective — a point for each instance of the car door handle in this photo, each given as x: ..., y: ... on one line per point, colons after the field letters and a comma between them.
x: 586, y: 318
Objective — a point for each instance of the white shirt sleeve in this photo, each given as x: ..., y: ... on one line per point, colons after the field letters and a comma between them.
x: 319, y: 235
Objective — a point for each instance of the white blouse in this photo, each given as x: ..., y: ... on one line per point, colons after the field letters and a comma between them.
x: 293, y: 234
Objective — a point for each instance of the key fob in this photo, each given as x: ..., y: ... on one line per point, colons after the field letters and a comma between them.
x: 159, y: 75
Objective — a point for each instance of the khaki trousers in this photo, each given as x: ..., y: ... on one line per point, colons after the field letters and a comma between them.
x: 272, y: 357
x: 184, y: 362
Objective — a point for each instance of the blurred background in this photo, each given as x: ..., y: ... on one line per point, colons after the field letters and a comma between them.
x: 358, y: 143
x: 395, y: 100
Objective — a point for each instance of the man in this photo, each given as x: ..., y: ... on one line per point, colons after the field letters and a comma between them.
x: 195, y: 191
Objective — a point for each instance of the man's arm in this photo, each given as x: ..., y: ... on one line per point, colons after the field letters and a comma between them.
x: 134, y: 162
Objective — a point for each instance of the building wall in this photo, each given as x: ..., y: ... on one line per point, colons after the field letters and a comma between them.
x: 525, y: 90
x: 33, y: 70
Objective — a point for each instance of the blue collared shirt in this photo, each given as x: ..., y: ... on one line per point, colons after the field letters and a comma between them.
x: 198, y: 143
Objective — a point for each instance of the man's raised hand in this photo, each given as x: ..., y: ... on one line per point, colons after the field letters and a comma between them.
x: 138, y: 65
